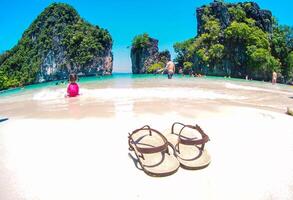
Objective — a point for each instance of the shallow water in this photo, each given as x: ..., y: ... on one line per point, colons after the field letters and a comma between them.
x: 135, y: 94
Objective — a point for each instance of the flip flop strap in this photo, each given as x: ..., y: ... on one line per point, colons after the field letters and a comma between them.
x: 139, y: 129
x: 149, y: 150
x: 190, y: 141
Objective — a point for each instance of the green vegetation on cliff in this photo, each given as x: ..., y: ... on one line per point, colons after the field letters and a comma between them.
x: 187, y: 67
x: 237, y: 45
x: 145, y: 55
x: 141, y: 41
x: 155, y: 68
x: 57, y: 31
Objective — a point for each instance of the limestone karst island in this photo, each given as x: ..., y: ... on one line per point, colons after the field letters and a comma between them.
x: 146, y: 100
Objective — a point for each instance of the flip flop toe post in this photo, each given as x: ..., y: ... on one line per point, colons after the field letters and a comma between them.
x: 153, y: 152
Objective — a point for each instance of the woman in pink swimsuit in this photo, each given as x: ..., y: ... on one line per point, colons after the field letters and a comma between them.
x: 72, y: 89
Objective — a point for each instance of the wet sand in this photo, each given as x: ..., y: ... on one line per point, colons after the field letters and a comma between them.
x: 153, y: 95
x: 57, y: 148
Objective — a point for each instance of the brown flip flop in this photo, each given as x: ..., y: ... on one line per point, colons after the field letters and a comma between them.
x: 189, y: 142
x: 152, y: 151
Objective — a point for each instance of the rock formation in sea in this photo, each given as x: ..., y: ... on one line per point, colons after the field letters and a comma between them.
x: 57, y: 43
x: 224, y: 13
x: 145, y: 55
x: 238, y: 40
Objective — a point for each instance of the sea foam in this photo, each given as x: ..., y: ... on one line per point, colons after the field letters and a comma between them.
x: 47, y: 94
x: 242, y: 87
x: 252, y: 88
x: 126, y: 94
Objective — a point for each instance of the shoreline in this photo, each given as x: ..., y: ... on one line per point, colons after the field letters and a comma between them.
x: 126, y: 74
x: 105, y: 97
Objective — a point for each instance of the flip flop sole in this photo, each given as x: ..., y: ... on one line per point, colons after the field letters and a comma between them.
x: 167, y: 165
x: 154, y: 164
x: 190, y: 157
x: 199, y: 161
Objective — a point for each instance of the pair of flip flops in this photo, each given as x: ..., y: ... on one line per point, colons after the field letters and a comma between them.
x: 162, y: 154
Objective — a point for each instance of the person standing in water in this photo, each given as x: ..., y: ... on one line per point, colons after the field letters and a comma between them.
x: 170, y: 66
x: 180, y: 71
x: 274, y: 77
x: 73, y: 88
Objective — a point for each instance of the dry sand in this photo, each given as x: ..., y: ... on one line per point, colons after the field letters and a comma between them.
x: 88, y: 158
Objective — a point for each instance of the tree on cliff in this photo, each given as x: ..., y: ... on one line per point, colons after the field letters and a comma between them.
x: 145, y: 55
x: 237, y: 40
x: 141, y: 41
x: 57, y: 42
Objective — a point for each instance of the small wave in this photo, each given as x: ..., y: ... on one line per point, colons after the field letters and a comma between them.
x: 251, y: 88
x: 154, y: 93
x: 45, y: 95
x: 234, y: 86
x: 125, y: 94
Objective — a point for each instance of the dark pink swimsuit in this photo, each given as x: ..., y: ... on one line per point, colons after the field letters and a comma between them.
x: 72, y: 90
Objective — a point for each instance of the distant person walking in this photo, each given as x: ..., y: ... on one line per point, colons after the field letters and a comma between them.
x: 170, y: 66
x: 73, y: 88
x: 274, y: 77
x: 180, y: 71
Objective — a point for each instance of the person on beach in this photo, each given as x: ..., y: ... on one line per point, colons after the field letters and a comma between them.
x: 73, y: 88
x: 170, y: 67
x: 274, y: 77
x: 180, y: 71
x: 191, y: 73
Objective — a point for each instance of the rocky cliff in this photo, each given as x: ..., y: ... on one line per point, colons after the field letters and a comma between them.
x: 243, y: 29
x: 237, y: 40
x: 227, y: 13
x: 57, y: 43
x: 145, y: 55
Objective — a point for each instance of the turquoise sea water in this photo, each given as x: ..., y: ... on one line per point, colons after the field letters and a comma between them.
x: 126, y: 77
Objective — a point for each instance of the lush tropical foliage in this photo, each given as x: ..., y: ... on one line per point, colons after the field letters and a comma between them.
x: 156, y: 68
x: 141, y: 41
x: 241, y: 49
x: 187, y: 67
x: 57, y: 28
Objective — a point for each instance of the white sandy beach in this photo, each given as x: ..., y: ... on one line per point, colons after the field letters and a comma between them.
x: 87, y: 158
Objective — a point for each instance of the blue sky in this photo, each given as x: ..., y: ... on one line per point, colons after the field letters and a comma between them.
x: 169, y: 21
